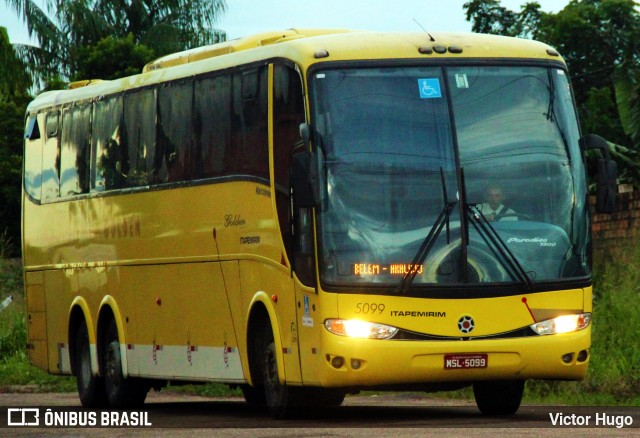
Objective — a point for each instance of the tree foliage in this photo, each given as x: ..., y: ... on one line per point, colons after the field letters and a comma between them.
x: 112, y: 58
x: 13, y: 76
x: 13, y: 103
x: 64, y: 29
x: 488, y: 16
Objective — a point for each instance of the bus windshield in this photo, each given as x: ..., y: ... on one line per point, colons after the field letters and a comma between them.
x: 397, y: 145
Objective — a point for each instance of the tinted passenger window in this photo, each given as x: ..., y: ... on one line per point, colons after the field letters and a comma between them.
x: 175, y: 102
x: 139, y: 137
x: 106, y: 141
x: 76, y: 138
x: 212, y: 126
x: 51, y: 159
x: 249, y: 143
x: 33, y: 158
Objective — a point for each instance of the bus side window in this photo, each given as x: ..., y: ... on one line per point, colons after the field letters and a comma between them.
x: 33, y: 156
x: 51, y: 158
x: 174, y: 132
x: 76, y: 141
x: 211, y: 126
x: 249, y: 124
x: 106, y: 145
x: 139, y: 137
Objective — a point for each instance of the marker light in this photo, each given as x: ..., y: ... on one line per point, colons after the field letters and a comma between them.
x: 355, y: 328
x: 562, y: 324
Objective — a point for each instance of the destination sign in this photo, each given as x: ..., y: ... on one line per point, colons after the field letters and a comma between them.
x: 390, y: 269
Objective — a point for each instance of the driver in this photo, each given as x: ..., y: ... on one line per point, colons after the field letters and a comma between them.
x: 494, y: 209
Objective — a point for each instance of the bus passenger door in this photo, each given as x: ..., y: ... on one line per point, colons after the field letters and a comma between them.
x: 308, y: 318
x: 295, y: 224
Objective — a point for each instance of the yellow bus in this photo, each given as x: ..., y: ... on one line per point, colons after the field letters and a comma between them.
x: 310, y: 213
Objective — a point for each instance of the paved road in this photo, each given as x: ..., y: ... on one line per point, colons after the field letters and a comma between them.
x: 393, y: 415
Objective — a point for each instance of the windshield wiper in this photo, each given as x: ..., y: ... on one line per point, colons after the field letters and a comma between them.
x: 494, y: 242
x: 430, y: 240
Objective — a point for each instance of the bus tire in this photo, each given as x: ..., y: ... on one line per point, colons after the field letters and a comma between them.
x: 281, y: 399
x: 498, y: 397
x: 122, y: 393
x: 91, y: 388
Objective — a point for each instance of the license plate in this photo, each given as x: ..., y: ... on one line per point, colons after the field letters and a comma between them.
x: 465, y: 361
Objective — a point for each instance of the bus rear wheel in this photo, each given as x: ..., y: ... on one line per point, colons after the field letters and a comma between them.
x: 90, y: 387
x: 122, y: 393
x: 498, y: 398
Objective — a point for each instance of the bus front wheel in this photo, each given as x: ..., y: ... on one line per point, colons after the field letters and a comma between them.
x: 498, y: 398
x: 122, y: 393
x: 282, y: 400
x: 90, y: 387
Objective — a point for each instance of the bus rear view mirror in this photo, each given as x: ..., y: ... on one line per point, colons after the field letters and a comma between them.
x: 607, y: 175
x: 606, y: 186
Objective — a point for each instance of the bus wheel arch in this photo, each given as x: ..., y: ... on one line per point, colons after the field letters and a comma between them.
x: 108, y: 313
x: 262, y: 318
x: 79, y: 315
x: 76, y: 317
x: 266, y: 363
x: 258, y: 318
x: 91, y: 390
x: 122, y: 391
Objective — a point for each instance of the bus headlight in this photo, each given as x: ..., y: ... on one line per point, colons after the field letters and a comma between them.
x: 355, y: 328
x: 562, y: 324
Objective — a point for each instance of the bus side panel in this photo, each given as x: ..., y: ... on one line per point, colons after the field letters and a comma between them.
x: 183, y: 324
x: 57, y: 311
x: 231, y: 277
x: 37, y: 329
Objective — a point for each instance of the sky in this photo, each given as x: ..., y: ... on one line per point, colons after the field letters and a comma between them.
x: 246, y: 17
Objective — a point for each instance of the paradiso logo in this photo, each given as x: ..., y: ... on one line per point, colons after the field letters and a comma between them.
x: 538, y: 240
x: 466, y: 324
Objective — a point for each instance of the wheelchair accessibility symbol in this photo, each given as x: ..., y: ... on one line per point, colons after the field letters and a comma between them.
x: 429, y: 88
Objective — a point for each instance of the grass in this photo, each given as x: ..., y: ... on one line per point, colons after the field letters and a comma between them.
x: 16, y: 374
x: 613, y: 378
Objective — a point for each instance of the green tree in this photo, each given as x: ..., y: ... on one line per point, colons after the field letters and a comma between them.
x: 64, y: 27
x: 112, y: 58
x: 488, y: 16
x: 13, y: 103
x: 13, y: 77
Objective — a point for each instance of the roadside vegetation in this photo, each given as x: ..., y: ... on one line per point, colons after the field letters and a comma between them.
x: 613, y: 379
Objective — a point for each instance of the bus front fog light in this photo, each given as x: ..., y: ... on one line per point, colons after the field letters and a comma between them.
x: 356, y: 364
x: 567, y: 358
x: 583, y: 356
x: 337, y: 362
